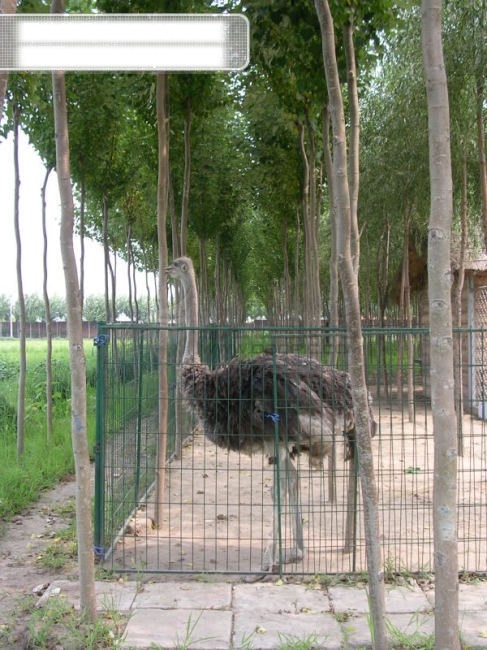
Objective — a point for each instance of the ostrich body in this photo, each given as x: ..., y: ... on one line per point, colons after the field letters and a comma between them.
x: 279, y: 404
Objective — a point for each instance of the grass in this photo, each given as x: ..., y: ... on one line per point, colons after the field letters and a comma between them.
x: 291, y: 642
x: 57, y: 625
x: 410, y: 640
x: 42, y: 465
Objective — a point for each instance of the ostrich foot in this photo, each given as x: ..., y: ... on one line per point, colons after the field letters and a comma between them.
x: 289, y: 555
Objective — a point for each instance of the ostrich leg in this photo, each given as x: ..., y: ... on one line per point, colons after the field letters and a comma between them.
x: 285, y: 488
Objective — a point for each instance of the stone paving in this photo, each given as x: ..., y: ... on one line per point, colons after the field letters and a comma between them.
x: 223, y: 616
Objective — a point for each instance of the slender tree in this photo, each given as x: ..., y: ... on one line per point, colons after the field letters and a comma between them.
x: 20, y: 292
x: 47, y: 311
x: 76, y: 350
x: 441, y: 333
x: 162, y: 201
x: 349, y: 282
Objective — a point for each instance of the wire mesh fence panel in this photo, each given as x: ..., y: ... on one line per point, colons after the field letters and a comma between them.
x: 223, y: 510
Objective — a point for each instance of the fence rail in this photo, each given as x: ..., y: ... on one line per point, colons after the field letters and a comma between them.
x: 217, y: 504
x: 59, y: 329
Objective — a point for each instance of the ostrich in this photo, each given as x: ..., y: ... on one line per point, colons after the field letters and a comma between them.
x: 279, y: 404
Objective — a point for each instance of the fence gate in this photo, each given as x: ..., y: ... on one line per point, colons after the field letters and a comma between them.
x: 215, y: 511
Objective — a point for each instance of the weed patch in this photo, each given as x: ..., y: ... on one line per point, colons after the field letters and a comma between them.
x: 57, y: 625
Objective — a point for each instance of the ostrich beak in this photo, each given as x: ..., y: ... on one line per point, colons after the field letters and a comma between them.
x: 169, y: 269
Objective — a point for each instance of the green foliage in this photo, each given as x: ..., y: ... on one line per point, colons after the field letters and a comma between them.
x: 94, y: 308
x: 246, y: 190
x: 4, y: 307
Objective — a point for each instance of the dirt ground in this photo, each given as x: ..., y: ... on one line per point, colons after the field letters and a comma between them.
x: 217, y: 509
x: 217, y: 514
x: 24, y: 539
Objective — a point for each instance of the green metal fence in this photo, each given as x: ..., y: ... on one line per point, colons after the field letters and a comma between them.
x: 215, y: 513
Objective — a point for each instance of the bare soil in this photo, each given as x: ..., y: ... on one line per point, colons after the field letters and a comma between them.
x: 24, y: 539
x: 217, y: 514
x: 217, y: 509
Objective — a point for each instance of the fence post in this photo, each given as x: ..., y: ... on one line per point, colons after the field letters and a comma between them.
x: 140, y: 380
x: 100, y: 341
x: 277, y: 469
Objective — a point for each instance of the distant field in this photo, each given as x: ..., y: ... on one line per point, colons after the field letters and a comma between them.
x: 43, y: 463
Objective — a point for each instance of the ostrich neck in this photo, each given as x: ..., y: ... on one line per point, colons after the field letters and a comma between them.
x: 191, y: 309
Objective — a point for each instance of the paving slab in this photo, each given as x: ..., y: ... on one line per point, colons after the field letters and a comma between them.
x: 471, y: 597
x: 172, y: 628
x: 184, y: 595
x: 398, y: 599
x: 356, y: 629
x: 349, y: 599
x: 219, y: 615
x: 403, y: 599
x: 279, y: 599
x: 473, y: 629
x: 111, y: 596
x: 265, y: 630
x: 270, y: 615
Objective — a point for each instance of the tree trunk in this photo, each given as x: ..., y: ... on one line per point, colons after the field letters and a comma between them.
x: 297, y: 293
x: 188, y: 118
x: 107, y: 265
x: 353, y: 155
x: 21, y: 298
x: 129, y: 273
x: 113, y: 277
x: 175, y: 234
x: 312, y: 246
x: 76, y: 350
x: 6, y: 7
x: 218, y: 284
x: 409, y: 322
x: 47, y: 310
x: 457, y: 302
x: 383, y: 292
x: 82, y: 207
x: 179, y: 412
x: 334, y: 280
x: 203, y: 288
x: 305, y: 211
x: 481, y: 149
x: 349, y: 283
x: 441, y: 336
x: 147, y: 290
x: 402, y: 320
x: 312, y: 308
x: 286, y: 311
x: 162, y: 205
x: 136, y: 295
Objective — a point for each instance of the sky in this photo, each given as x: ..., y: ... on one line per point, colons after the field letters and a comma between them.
x: 32, y: 174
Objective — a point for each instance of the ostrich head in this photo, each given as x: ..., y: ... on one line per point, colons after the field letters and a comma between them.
x: 182, y: 270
